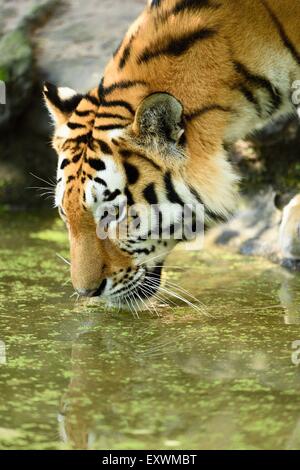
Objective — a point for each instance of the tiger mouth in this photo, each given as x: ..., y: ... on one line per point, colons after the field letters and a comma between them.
x: 144, y: 288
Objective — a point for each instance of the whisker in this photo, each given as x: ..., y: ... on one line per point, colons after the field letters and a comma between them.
x: 147, y: 287
x: 49, y: 195
x: 147, y: 301
x: 182, y: 290
x: 49, y: 183
x: 143, y: 303
x: 182, y: 299
x: 164, y: 253
x: 63, y: 259
x: 42, y: 188
x: 135, y: 314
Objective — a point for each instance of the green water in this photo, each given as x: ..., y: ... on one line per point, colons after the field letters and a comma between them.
x: 75, y: 375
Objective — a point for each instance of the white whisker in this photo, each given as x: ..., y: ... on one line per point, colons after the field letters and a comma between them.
x: 50, y: 183
x: 63, y: 259
x: 163, y: 254
x: 182, y: 290
x: 182, y: 299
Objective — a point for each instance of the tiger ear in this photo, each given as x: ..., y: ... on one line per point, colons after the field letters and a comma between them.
x: 61, y: 102
x: 158, y: 126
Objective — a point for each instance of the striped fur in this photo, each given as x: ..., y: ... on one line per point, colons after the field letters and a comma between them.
x: 189, y: 77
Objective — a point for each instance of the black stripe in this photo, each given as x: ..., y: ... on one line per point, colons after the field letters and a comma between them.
x: 125, y: 153
x: 132, y: 173
x: 79, y: 171
x: 261, y: 82
x: 126, y: 53
x: 125, y: 56
x: 111, y: 116
x: 76, y: 157
x: 83, y: 113
x: 121, y: 103
x: 71, y: 178
x: 66, y: 106
x: 155, y: 3
x: 172, y: 195
x: 75, y: 125
x: 283, y: 35
x: 150, y: 194
x: 96, y: 164
x: 207, y: 109
x: 183, y: 6
x: 212, y: 215
x: 151, y: 162
x: 196, y: 195
x: 250, y: 97
x: 101, y: 90
x: 128, y: 194
x: 118, y: 49
x: 113, y: 195
x: 80, y: 139
x: 64, y: 164
x: 123, y: 85
x: 92, y: 99
x: 175, y: 46
x: 193, y: 6
x: 104, y: 147
x: 100, y: 181
x: 109, y: 127
x: 128, y: 153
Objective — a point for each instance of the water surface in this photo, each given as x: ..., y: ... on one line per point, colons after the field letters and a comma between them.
x: 77, y: 375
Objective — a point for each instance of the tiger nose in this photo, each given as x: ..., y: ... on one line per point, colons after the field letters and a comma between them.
x: 93, y: 292
x: 86, y: 292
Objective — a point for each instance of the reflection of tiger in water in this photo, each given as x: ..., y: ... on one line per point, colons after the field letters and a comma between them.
x: 190, y: 77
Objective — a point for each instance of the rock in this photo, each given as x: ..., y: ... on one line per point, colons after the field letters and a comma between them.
x: 17, y: 62
x: 16, y: 71
x: 68, y: 43
x: 255, y: 230
x: 73, y: 48
x: 21, y: 149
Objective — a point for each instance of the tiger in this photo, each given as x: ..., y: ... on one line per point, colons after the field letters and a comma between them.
x: 189, y: 79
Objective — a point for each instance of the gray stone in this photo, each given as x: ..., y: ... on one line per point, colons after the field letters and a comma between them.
x: 66, y: 42
x: 16, y: 71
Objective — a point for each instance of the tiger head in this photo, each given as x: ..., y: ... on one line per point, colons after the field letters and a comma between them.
x: 129, y: 175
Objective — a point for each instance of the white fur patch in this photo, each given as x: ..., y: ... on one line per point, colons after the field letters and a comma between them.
x: 114, y: 178
x: 63, y: 131
x: 115, y: 133
x: 59, y: 192
x: 66, y: 93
